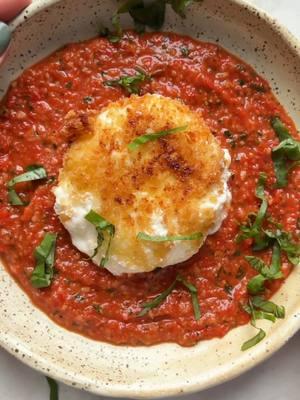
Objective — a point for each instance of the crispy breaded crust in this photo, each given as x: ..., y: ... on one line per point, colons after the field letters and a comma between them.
x: 171, y: 174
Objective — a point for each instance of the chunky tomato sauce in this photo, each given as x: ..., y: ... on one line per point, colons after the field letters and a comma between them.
x: 87, y: 299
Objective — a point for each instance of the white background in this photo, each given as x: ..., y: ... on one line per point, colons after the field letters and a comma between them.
x: 275, y: 379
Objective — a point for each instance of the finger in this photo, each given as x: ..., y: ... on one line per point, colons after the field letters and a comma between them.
x: 11, y: 8
x: 4, y: 37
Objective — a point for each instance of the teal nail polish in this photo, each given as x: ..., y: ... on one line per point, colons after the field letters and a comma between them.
x: 5, y: 36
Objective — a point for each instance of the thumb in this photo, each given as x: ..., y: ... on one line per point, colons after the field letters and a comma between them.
x: 4, y: 37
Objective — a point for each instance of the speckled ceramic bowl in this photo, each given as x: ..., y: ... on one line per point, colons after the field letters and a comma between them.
x: 167, y: 369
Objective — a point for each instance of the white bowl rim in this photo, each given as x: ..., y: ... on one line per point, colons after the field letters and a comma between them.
x: 37, y: 363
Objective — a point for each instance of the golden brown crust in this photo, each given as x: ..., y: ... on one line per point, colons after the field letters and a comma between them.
x: 171, y: 174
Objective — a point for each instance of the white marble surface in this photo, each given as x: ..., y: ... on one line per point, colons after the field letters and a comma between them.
x: 275, y: 379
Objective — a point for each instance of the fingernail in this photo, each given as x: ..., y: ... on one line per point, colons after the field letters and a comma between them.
x: 5, y: 36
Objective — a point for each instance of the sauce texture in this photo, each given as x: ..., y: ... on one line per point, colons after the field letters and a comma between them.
x: 237, y: 105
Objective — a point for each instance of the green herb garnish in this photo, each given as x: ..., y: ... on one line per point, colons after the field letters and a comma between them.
x: 286, y: 244
x: 151, y: 137
x: 34, y: 173
x: 268, y: 306
x: 286, y: 155
x: 152, y: 14
x: 45, y: 257
x: 116, y: 36
x: 254, y: 341
x: 254, y: 230
x: 130, y: 83
x: 256, y: 284
x: 266, y: 238
x: 149, y: 238
x: 53, y: 388
x: 157, y: 300
x: 101, y: 225
x: 259, y: 308
x: 194, y: 294
x: 162, y: 297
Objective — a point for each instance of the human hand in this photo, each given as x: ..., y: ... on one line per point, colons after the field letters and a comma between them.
x: 8, y: 10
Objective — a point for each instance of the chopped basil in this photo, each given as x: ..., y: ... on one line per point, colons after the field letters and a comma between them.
x: 157, y: 300
x: 256, y: 284
x: 162, y: 297
x: 194, y: 294
x: 260, y: 308
x: 254, y: 230
x: 286, y: 244
x: 53, y: 386
x: 33, y: 173
x: 268, y: 307
x: 254, y: 341
x: 130, y: 83
x: 117, y: 35
x: 288, y: 150
x: 45, y: 257
x: 193, y: 236
x: 101, y: 225
x: 266, y: 238
x: 179, y: 6
x: 151, y: 137
x: 280, y: 129
x: 152, y: 14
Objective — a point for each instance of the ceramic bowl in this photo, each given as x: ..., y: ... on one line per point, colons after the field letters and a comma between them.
x: 166, y: 369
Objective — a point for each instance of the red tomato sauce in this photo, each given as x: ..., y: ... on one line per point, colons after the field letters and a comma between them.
x: 85, y: 298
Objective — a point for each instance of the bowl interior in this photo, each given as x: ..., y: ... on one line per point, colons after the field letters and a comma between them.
x: 167, y: 369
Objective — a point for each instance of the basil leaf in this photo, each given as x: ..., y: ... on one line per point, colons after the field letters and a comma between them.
x: 34, y: 173
x: 280, y: 129
x: 257, y: 284
x: 45, y: 257
x: 53, y: 386
x: 254, y: 230
x: 116, y: 36
x: 268, y: 307
x: 151, y: 137
x: 179, y: 6
x: 194, y: 294
x: 264, y: 315
x: 281, y: 172
x: 152, y: 15
x: 130, y: 83
x: 287, y: 150
x: 129, y: 5
x: 286, y: 243
x: 275, y: 267
x: 101, y: 225
x: 256, y: 263
x: 162, y: 297
x: 193, y: 236
x: 254, y: 341
x: 157, y: 300
x: 258, y: 314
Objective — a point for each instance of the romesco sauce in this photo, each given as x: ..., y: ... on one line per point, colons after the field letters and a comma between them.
x: 236, y: 103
